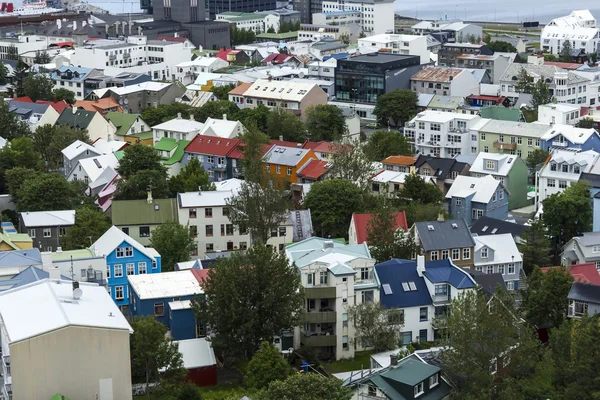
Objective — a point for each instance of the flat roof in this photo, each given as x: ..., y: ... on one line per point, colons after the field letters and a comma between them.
x: 380, y: 58
x: 165, y: 284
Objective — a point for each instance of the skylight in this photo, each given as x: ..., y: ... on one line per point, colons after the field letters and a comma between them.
x: 494, y: 230
x: 485, y: 228
x: 409, y: 286
x: 412, y: 286
x: 387, y: 289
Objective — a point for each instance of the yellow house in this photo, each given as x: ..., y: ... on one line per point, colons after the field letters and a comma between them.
x: 15, y: 241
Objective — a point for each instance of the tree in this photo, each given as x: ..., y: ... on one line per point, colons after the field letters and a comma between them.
x: 189, y: 391
x: 397, y: 106
x: 256, y: 117
x: 500, y: 46
x: 271, y: 29
x: 567, y: 214
x: 152, y: 351
x: 331, y: 205
x: 173, y: 242
x: 385, y: 240
x: 136, y: 187
x: 307, y: 386
x: 11, y: 123
x: 38, y: 87
x: 49, y: 141
x: 267, y: 365
x: 3, y: 74
x: 540, y: 93
x: 190, y: 179
x: 524, y: 82
x: 42, y: 57
x: 90, y: 224
x: 222, y: 92
x: 545, y: 299
x: 345, y: 38
x: 585, y: 123
x: 21, y: 73
x: 12, y: 53
x: 383, y: 144
x: 241, y: 36
x: 281, y: 123
x: 166, y: 112
x: 325, y: 122
x: 566, y: 52
x: 416, y: 190
x: 46, y: 192
x: 373, y: 327
x: 139, y: 158
x: 535, y: 158
x: 535, y: 247
x: 418, y: 212
x: 217, y: 110
x: 15, y: 177
x: 62, y: 94
x: 250, y: 297
x: 351, y: 163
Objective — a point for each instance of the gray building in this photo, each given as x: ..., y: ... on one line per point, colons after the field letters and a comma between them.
x: 211, y: 35
x: 583, y: 297
x: 148, y: 94
x: 76, y: 151
x: 46, y: 228
x: 307, y: 8
x: 179, y: 11
x: 218, y: 6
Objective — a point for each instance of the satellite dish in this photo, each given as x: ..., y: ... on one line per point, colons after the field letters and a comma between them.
x: 77, y: 293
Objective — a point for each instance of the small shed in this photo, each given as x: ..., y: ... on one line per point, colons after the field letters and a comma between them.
x: 199, y: 359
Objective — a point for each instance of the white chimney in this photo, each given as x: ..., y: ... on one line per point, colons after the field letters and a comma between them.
x: 224, y: 117
x: 327, y: 244
x: 46, y: 260
x: 281, y: 138
x: 178, y: 115
x: 59, y: 23
x: 54, y: 273
x: 191, y: 117
x: 420, y: 265
x: 74, y: 25
x: 149, y: 200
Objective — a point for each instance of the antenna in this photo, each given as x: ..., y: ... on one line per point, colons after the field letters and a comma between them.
x: 72, y: 270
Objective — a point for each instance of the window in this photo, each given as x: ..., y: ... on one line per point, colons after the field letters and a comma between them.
x: 501, y: 138
x: 596, y: 249
x: 192, y: 213
x: 108, y: 272
x: 310, y: 278
x: 32, y: 233
x: 367, y: 296
x: 278, y: 169
x: 482, y: 135
x: 144, y: 231
x: 565, y: 167
x: 445, y: 254
x: 345, y: 343
x: 529, y: 141
x: 142, y: 268
x: 423, y: 314
x: 519, y: 140
x: 562, y: 184
x: 154, y: 265
x: 552, y: 166
x: 62, y: 231
x: 578, y: 308
x: 441, y: 289
x: 551, y: 183
x: 210, y: 247
x: 501, y: 195
x: 476, y: 214
x: 281, y: 231
x: 419, y: 389
x: 118, y: 270
x: 511, y: 268
x: 159, y: 309
x: 208, y: 212
x: 466, y: 253
x: 486, y: 149
x: 458, y: 202
x: 456, y: 254
x: 510, y: 285
x: 229, y: 229
x: 435, y: 127
x: 434, y: 255
x: 494, y: 197
x: 484, y: 252
x: 406, y: 337
x: 576, y: 169
x: 130, y: 269
x: 433, y: 381
x: 489, y: 164
x: 208, y: 229
x: 323, y: 277
x: 119, y: 293
x: 423, y: 335
x: 365, y: 274
x: 123, y: 252
x: 47, y: 232
x: 289, y: 171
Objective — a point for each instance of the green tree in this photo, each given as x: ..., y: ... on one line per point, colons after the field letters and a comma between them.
x: 585, y: 123
x: 396, y: 107
x: 241, y: 36
x: 345, y: 38
x: 12, y: 53
x: 217, y: 110
x: 535, y: 158
x: 15, y: 177
x: 42, y: 57
x: 21, y: 73
x: 503, y: 47
x: 325, y: 122
x: 535, y: 247
x: 524, y: 82
x: 385, y: 240
x: 331, y: 205
x: 12, y: 125
x: 271, y: 29
x: 46, y: 192
x: 545, y: 299
x: 165, y: 112
x: 281, y: 123
x: 62, y: 94
x: 416, y: 190
x: 306, y: 386
x: 3, y: 74
x: 190, y: 179
x: 139, y: 158
x: 256, y: 117
x: 267, y: 365
x: 566, y: 52
x: 567, y: 214
x: 351, y: 163
x: 17, y: 153
x: 222, y: 92
x: 136, y: 186
x: 90, y: 224
x: 151, y: 351
x: 383, y: 144
x: 540, y: 93
x: 173, y: 242
x: 189, y: 391
x: 38, y: 87
x: 418, y: 212
x: 373, y: 327
x: 50, y: 140
x: 250, y: 297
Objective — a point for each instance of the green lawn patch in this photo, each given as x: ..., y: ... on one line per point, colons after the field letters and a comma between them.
x: 361, y: 360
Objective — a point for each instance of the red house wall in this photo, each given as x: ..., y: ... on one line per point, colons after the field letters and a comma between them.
x: 205, y: 376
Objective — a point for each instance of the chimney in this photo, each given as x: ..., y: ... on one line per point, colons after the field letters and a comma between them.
x: 420, y: 265
x: 74, y: 25
x: 393, y: 359
x: 224, y: 117
x: 327, y: 244
x: 149, y: 200
x: 46, y: 260
x: 59, y: 249
x: 299, y: 145
x: 130, y: 26
x: 83, y: 24
x: 59, y: 24
x: 192, y: 117
x: 54, y: 272
x: 440, y: 217
x: 178, y: 115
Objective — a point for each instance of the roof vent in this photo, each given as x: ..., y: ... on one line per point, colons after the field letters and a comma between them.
x: 430, y: 227
x: 454, y: 226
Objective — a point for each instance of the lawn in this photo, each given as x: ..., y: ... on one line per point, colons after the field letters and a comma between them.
x: 361, y: 360
x: 219, y: 392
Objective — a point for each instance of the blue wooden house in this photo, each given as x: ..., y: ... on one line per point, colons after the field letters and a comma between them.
x: 471, y: 198
x: 570, y: 137
x: 167, y: 296
x: 214, y: 155
x: 124, y: 257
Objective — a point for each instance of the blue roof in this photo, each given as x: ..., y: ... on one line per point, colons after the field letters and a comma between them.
x: 81, y: 73
x: 8, y: 227
x: 18, y: 258
x: 393, y: 273
x: 337, y: 56
x: 443, y: 271
x: 25, y: 277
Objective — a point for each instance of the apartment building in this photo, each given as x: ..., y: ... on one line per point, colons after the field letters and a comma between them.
x: 399, y: 44
x: 495, y: 64
x: 446, y: 81
x: 579, y: 28
x: 73, y: 79
x: 510, y: 137
x: 315, y: 32
x: 187, y: 72
x: 349, y: 17
x: 565, y: 114
x: 214, y: 7
x: 249, y: 21
x: 449, y: 51
x: 346, y: 276
x: 23, y: 44
x: 377, y: 15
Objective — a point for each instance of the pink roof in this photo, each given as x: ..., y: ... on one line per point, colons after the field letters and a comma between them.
x: 586, y: 273
x: 211, y: 145
x: 24, y: 99
x: 361, y: 223
x: 564, y: 65
x: 278, y: 58
x: 200, y: 274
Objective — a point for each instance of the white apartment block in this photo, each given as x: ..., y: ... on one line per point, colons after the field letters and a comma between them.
x: 377, y: 15
x: 338, y: 18
x: 579, y: 28
x: 323, y: 70
x: 399, y: 44
x: 23, y: 44
x: 563, y: 114
x: 443, y: 134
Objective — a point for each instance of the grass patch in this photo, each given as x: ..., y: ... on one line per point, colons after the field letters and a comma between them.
x: 218, y: 392
x: 361, y: 360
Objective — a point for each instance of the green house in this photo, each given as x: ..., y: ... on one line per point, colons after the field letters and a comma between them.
x: 138, y: 218
x: 511, y: 137
x: 172, y: 151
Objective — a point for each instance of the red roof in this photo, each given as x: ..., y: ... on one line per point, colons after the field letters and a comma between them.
x: 222, y: 54
x: 212, y: 145
x: 24, y: 99
x: 171, y: 39
x: 586, y: 273
x: 361, y: 223
x: 200, y: 275
x: 57, y: 105
x: 483, y: 97
x: 278, y: 58
x: 313, y: 169
x: 564, y: 65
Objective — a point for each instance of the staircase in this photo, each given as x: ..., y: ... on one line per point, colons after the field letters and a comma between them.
x: 299, y: 226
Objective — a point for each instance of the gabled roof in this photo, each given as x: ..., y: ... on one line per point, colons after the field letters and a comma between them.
x: 505, y: 162
x: 29, y: 275
x: 442, y: 166
x: 586, y: 273
x: 48, y: 218
x: 288, y: 156
x: 441, y: 235
x: 584, y: 292
x: 17, y: 258
x: 99, y: 105
x: 180, y: 125
x: 211, y: 145
x: 109, y: 146
x: 386, y: 176
x: 482, y: 189
x: 309, y: 250
x: 409, y: 372
x: 59, y: 106
x: 95, y: 166
x: 487, y: 282
x: 400, y: 160
x: 205, y: 198
x: 443, y: 271
x: 395, y: 272
x: 78, y: 147
x: 571, y: 133
x: 491, y: 226
x: 122, y: 121
x: 222, y: 127
x: 139, y: 212
x: 314, y: 169
x: 361, y: 224
x: 113, y: 238
x: 196, y: 353
x: 504, y: 246
x: 81, y: 119
x: 172, y: 39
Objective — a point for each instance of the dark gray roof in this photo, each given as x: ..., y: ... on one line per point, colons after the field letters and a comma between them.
x: 488, y: 282
x: 24, y: 108
x: 585, y: 292
x: 592, y: 179
x: 380, y: 58
x: 439, y: 235
x: 441, y: 166
x: 485, y: 225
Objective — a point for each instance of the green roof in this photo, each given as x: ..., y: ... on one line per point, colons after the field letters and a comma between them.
x: 6, y: 239
x: 501, y: 113
x: 165, y: 144
x: 122, y: 121
x: 59, y: 396
x: 119, y: 154
x: 448, y: 102
x: 76, y: 254
x: 20, y: 237
x: 144, y: 135
x: 286, y: 35
x: 139, y: 212
x: 178, y: 153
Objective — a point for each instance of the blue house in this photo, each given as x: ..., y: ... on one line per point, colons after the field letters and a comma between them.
x: 570, y: 137
x: 214, y: 156
x: 73, y: 79
x: 471, y: 198
x: 167, y: 296
x: 124, y: 257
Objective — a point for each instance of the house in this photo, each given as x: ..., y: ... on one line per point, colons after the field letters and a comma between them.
x: 235, y: 57
x: 387, y: 183
x: 420, y: 292
x: 199, y: 360
x: 359, y: 226
x: 448, y: 104
x: 570, y: 137
x: 564, y: 114
x: 124, y: 257
x: 222, y: 128
x: 313, y: 171
x: 454, y: 33
x: 584, y: 298
x: 510, y: 170
x: 134, y: 98
x: 438, y: 240
x: 579, y: 27
x: 197, y: 98
x: 46, y: 227
x: 103, y: 106
x: 582, y: 249
x: 565, y: 168
x: 398, y: 44
x: 73, y: 79
x: 97, y: 357
x: 346, y: 276
x: 187, y: 71
x: 487, y: 283
x: 172, y: 153
x: 492, y: 226
x: 130, y: 127
x: 15, y: 261
x: 213, y: 154
x: 284, y: 162
x: 499, y: 254
x: 91, y: 169
x: 33, y: 114
x: 442, y: 170
x: 485, y: 100
x: 26, y: 277
x: 495, y: 64
x: 516, y: 41
x: 398, y: 163
x: 167, y: 296
x: 471, y: 198
x: 511, y: 137
x: 586, y: 273
x: 177, y: 128
x: 74, y: 152
x: 110, y: 146
x: 82, y: 265
x: 447, y: 81
x: 139, y: 218
x: 91, y: 121
x: 11, y: 240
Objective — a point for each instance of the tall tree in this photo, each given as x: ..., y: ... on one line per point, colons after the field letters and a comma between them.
x: 351, y: 163
x: 536, y: 158
x: 416, y: 190
x: 325, y: 122
x: 385, y: 240
x: 524, y: 82
x: 18, y: 152
x: 250, y: 298
x: 383, y: 144
x: 419, y: 212
x: 90, y: 224
x: 566, y: 52
x: 12, y: 53
x: 282, y: 124
x: 222, y: 92
x: 151, y: 351
x: 46, y: 192
x: 38, y: 87
x: 12, y: 125
x: 21, y: 73
x: 42, y: 57
x: 545, y: 299
x: 500, y: 46
x: 535, y: 247
x: 267, y: 365
x: 190, y: 179
x: 585, y: 123
x: 173, y: 242
x: 396, y: 107
x: 373, y: 327
x: 3, y: 74
x: 15, y: 177
x: 49, y: 141
x: 136, y: 186
x: 216, y: 110
x: 63, y: 94
x: 165, y: 112
x: 540, y: 93
x: 256, y: 117
x: 306, y: 387
x: 139, y: 158
x: 331, y: 205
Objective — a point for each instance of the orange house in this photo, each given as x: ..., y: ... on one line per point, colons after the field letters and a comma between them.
x: 284, y: 161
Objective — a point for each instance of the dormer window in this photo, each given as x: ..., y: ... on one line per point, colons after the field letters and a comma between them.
x: 484, y: 252
x: 565, y: 168
x: 552, y: 166
x: 490, y: 164
x: 576, y: 169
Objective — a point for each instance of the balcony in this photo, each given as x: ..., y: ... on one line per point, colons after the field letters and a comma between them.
x: 318, y: 340
x: 324, y: 292
x: 220, y: 167
x: 319, y: 317
x: 504, y: 146
x: 560, y: 144
x: 441, y: 299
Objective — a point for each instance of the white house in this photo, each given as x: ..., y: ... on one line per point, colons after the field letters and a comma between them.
x: 565, y: 114
x: 579, y: 28
x: 377, y: 16
x: 223, y: 128
x: 448, y: 81
x: 90, y: 169
x: 177, y: 128
x: 187, y: 72
x: 75, y: 151
x: 499, y: 254
x: 413, y: 45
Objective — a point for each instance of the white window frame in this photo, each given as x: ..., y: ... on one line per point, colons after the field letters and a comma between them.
x: 511, y: 267
x: 130, y: 269
x: 32, y: 233
x: 466, y: 253
x: 142, y: 267
x: 434, y: 255
x: 433, y: 381
x: 455, y: 254
x: 117, y: 292
x: 484, y: 252
x: 419, y: 389
x: 47, y: 232
x: 118, y: 267
x: 310, y: 279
